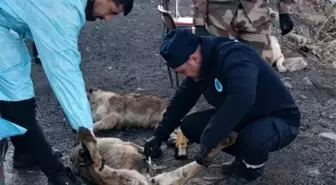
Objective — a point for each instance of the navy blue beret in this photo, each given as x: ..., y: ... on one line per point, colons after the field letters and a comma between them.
x: 177, y: 47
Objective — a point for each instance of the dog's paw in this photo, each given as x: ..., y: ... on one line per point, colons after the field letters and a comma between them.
x: 181, y: 153
x: 282, y: 69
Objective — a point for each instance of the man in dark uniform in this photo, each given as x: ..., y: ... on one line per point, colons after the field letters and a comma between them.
x: 247, y: 97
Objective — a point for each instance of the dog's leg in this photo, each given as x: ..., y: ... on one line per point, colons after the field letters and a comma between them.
x: 279, y: 63
x: 109, y: 122
x: 140, y: 149
x: 181, y: 175
x: 181, y: 146
x: 101, y: 110
x: 278, y: 57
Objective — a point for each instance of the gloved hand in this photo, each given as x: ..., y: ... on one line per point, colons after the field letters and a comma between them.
x: 85, y: 155
x: 286, y: 23
x: 152, y: 147
x: 201, y: 30
x: 202, y: 155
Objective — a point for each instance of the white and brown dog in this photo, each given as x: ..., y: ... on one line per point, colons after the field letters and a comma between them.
x: 110, y: 161
x: 132, y: 110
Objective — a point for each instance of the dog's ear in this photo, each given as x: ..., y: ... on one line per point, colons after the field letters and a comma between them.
x: 91, y: 90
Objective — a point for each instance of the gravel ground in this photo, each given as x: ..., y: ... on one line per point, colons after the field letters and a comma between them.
x: 122, y: 56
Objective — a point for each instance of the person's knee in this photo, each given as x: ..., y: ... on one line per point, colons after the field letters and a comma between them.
x: 277, y: 135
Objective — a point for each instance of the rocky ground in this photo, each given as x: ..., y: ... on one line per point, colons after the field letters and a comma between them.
x: 122, y: 56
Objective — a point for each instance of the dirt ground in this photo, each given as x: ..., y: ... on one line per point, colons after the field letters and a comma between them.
x: 123, y: 56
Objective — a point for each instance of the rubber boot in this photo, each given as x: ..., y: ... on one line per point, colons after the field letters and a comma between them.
x: 65, y: 177
x: 27, y: 161
x: 230, y: 167
x: 243, y: 176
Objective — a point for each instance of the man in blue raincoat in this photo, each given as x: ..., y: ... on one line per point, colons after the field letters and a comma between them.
x: 54, y: 26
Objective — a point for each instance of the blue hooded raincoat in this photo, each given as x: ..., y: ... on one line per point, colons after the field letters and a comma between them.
x: 54, y: 26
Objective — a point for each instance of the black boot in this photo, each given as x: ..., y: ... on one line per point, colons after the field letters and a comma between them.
x: 33, y: 142
x: 21, y: 160
x: 65, y: 177
x: 243, y: 176
x: 230, y: 167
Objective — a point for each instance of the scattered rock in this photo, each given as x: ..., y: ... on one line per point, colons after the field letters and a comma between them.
x: 204, y: 181
x: 307, y: 81
x: 334, y: 64
x: 286, y: 78
x: 332, y: 102
x: 302, y: 96
x: 140, y: 89
x: 288, y: 85
x: 295, y: 64
x: 97, y: 28
x: 109, y: 68
x: 313, y: 172
x: 333, y: 116
x: 329, y: 135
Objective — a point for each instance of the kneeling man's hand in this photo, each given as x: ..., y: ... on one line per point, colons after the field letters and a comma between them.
x: 201, y: 157
x: 152, y: 147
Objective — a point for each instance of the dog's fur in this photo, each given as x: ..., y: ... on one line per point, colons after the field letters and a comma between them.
x: 117, y: 154
x: 125, y: 110
x: 290, y: 63
x: 132, y: 110
x: 278, y: 56
x: 121, y: 170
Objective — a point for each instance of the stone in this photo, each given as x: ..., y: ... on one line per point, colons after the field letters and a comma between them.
x: 140, y: 89
x: 332, y: 102
x: 288, y: 85
x: 307, y: 81
x: 333, y: 116
x: 303, y: 96
x: 329, y: 135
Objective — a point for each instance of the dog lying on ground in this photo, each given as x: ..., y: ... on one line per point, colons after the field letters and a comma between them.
x: 110, y: 161
x: 132, y: 110
x: 289, y: 63
x: 125, y: 110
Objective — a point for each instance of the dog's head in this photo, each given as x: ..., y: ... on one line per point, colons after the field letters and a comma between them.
x: 80, y: 157
x: 92, y: 93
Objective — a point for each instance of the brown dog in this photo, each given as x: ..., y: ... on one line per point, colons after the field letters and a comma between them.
x: 124, y: 170
x: 132, y: 110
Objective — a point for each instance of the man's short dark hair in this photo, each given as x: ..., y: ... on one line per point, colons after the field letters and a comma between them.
x: 128, y: 5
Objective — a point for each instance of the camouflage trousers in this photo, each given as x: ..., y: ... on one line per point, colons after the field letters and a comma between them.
x: 229, y: 19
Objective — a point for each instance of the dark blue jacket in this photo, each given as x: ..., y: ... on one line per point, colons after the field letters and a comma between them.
x: 247, y: 89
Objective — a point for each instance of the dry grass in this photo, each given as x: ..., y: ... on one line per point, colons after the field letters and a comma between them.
x: 316, y: 20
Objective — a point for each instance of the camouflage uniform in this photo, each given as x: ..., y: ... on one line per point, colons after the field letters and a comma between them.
x: 246, y: 20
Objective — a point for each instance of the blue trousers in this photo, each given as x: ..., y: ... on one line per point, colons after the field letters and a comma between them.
x: 255, y: 139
